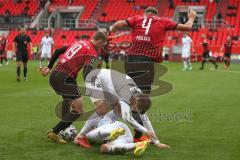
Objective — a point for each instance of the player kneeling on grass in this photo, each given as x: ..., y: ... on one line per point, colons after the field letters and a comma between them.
x: 112, y: 88
x: 117, y: 137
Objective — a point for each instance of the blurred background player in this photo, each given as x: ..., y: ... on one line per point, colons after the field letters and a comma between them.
x: 186, y: 42
x: 3, y: 52
x: 46, y: 48
x: 227, y: 48
x: 148, y: 35
x: 206, y: 53
x: 63, y: 78
x: 20, y: 48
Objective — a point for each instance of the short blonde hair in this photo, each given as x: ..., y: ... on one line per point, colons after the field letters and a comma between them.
x: 151, y: 10
x: 143, y: 103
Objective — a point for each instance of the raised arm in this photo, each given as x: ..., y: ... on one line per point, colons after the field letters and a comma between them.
x: 118, y: 25
x: 188, y: 25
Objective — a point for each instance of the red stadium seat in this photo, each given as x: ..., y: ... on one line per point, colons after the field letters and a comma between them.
x: 16, y: 9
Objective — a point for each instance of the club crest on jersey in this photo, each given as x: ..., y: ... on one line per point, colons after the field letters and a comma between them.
x: 92, y: 61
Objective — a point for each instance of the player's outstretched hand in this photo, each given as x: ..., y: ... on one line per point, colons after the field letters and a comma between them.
x: 161, y: 146
x: 44, y: 71
x: 151, y: 134
x: 192, y: 14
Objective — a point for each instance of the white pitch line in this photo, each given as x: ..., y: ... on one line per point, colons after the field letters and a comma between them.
x: 238, y: 72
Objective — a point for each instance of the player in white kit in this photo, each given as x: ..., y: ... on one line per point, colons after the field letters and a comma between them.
x: 115, y: 136
x: 186, y: 42
x: 46, y: 47
x: 112, y: 88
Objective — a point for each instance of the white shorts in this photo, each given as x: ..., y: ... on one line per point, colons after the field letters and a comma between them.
x: 126, y: 138
x: 185, y: 54
x: 46, y: 55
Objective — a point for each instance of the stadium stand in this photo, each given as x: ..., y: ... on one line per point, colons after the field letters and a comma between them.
x: 28, y: 7
x: 115, y: 10
x: 89, y: 6
x: 64, y: 37
x: 112, y: 10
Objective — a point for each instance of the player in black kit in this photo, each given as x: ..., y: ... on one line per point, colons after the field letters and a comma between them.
x: 20, y: 48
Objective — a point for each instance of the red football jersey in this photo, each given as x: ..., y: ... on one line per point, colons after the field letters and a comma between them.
x: 228, y: 47
x: 205, y: 46
x: 148, y: 35
x: 3, y: 43
x: 78, y: 55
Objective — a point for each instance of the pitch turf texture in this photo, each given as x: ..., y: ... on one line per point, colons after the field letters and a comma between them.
x: 199, y: 119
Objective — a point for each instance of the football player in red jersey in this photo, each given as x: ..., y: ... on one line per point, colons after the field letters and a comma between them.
x: 227, y: 47
x: 206, y: 53
x: 148, y: 34
x: 63, y: 78
x: 3, y: 44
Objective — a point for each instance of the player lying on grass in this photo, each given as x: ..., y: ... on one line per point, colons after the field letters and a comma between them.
x: 63, y: 79
x: 117, y: 90
x: 116, y: 136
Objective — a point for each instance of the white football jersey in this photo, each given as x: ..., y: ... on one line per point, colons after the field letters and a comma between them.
x: 186, y: 42
x: 115, y: 87
x: 47, y: 43
x: 110, y: 85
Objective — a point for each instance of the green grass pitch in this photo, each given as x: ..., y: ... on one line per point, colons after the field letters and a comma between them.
x: 199, y: 119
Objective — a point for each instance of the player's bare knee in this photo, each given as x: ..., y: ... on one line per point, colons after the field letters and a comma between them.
x: 18, y: 64
x: 77, y: 105
x: 104, y: 148
x: 101, y: 107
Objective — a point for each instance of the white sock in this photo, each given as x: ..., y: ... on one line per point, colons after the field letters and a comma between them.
x: 90, y: 124
x: 189, y: 63
x: 121, y: 147
x: 184, y: 64
x: 99, y: 134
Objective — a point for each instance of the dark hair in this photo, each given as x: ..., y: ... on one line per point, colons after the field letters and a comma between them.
x: 143, y: 103
x: 100, y: 36
x: 151, y: 10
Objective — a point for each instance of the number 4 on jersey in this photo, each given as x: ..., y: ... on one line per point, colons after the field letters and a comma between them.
x: 146, y: 24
